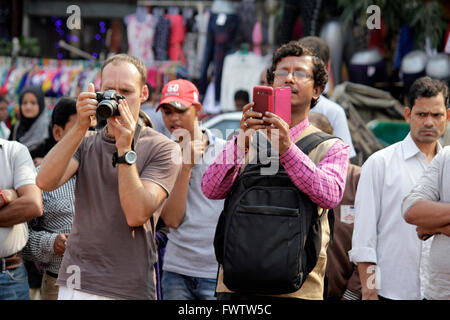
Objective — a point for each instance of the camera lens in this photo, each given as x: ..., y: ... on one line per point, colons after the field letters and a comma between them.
x: 106, y: 108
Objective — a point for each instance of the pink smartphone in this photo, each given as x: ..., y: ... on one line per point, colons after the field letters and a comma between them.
x: 282, y: 103
x: 263, y: 99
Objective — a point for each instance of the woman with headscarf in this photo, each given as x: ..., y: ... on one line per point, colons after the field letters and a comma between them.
x: 32, y: 128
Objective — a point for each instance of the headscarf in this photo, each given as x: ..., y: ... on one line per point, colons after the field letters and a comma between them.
x: 32, y: 131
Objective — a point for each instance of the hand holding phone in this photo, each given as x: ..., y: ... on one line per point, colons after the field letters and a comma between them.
x: 277, y: 101
x: 263, y: 99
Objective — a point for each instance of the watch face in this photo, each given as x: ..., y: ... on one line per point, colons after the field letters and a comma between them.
x: 130, y: 157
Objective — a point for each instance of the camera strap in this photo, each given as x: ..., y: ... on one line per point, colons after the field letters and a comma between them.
x: 137, y: 134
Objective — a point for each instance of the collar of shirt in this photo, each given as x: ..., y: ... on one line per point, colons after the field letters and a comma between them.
x: 295, y: 131
x: 410, y: 149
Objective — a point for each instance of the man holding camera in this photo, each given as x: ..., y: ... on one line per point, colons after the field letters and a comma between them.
x: 124, y: 173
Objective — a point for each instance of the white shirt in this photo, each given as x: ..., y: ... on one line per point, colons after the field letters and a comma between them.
x: 338, y: 120
x: 240, y: 72
x: 4, y: 131
x: 16, y: 170
x: 380, y: 235
x: 434, y: 185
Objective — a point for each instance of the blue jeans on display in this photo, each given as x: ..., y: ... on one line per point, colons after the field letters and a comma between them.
x: 176, y: 286
x: 14, y: 284
x: 219, y: 42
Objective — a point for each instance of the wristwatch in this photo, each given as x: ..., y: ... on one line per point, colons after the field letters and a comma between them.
x: 128, y: 158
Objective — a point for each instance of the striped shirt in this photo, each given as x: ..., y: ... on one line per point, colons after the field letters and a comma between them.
x: 324, y: 183
x: 58, y: 216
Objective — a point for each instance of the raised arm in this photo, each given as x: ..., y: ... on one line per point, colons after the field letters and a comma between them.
x: 59, y: 165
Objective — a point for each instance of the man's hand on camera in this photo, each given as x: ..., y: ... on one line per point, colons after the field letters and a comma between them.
x: 86, y: 108
x: 123, y: 128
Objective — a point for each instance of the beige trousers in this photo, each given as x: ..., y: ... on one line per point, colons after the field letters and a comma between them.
x: 49, y: 289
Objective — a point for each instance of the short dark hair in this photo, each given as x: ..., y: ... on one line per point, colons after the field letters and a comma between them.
x: 321, y: 122
x: 426, y: 87
x: 242, y: 95
x: 3, y: 99
x: 318, y: 47
x: 295, y: 49
x: 63, y: 110
x: 123, y: 57
x: 150, y: 91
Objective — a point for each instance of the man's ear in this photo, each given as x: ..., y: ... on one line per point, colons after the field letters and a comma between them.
x: 144, y: 94
x: 57, y: 132
x: 407, y: 114
x: 198, y: 109
x: 317, y: 91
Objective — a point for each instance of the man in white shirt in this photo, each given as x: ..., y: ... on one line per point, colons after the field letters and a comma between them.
x: 330, y: 109
x: 427, y: 206
x: 20, y: 201
x: 385, y: 247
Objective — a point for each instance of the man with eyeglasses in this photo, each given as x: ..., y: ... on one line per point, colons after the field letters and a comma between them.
x: 320, y: 175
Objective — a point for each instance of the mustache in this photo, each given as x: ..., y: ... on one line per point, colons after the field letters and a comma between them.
x: 428, y: 129
x: 293, y: 88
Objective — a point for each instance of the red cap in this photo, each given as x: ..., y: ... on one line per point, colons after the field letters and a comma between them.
x: 179, y: 93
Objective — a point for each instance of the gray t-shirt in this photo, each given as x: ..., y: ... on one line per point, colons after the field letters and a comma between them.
x: 190, y: 249
x: 112, y: 260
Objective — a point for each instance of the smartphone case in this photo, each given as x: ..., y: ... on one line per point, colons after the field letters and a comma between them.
x: 263, y: 99
x: 282, y: 103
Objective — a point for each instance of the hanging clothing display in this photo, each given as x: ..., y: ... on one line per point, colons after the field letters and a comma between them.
x: 405, y: 45
x: 176, y: 38
x: 190, y: 41
x: 201, y: 21
x: 161, y: 72
x: 257, y: 37
x: 292, y: 9
x: 246, y: 10
x: 241, y: 71
x: 162, y: 36
x: 221, y: 31
x: 140, y: 37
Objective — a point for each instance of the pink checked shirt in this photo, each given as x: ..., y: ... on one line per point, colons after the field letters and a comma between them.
x: 324, y: 183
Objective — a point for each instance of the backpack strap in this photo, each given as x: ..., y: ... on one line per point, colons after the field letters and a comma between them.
x: 310, y: 138
x: 311, y: 141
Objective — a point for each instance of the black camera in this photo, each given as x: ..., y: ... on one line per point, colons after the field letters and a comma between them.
x: 108, y: 104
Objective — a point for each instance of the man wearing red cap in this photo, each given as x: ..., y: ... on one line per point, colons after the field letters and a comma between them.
x: 190, y: 267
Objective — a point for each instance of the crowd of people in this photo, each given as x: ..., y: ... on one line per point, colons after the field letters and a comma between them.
x: 153, y: 206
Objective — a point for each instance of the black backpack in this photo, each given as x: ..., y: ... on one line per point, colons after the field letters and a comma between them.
x: 268, y: 237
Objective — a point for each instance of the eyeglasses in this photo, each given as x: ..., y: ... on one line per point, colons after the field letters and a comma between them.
x: 299, y: 75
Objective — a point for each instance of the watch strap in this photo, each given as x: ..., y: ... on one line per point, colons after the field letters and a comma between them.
x: 137, y: 134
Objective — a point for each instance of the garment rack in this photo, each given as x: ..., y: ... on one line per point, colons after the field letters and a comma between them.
x: 201, y: 5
